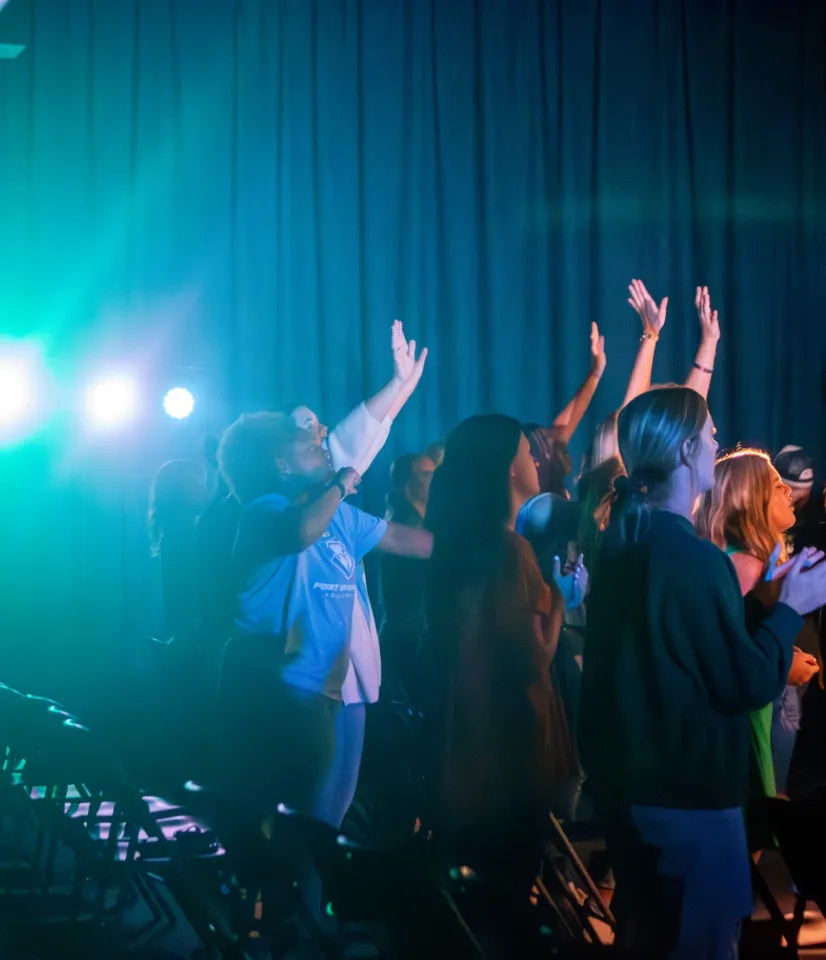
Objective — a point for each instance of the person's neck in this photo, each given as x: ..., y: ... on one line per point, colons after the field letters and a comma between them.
x: 680, y: 498
x: 518, y: 500
x: 296, y: 487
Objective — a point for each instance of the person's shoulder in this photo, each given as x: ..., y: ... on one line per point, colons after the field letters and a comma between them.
x: 347, y: 513
x: 679, y: 546
x: 535, y: 510
x: 516, y: 544
x: 536, y: 514
x: 749, y: 569
x: 356, y: 521
x: 519, y: 550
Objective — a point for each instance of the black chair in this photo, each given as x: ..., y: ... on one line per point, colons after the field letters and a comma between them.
x: 121, y: 847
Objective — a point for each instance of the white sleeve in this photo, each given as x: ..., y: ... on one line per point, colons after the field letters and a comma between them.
x: 358, y: 439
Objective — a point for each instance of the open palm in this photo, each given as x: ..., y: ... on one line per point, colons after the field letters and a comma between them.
x: 598, y: 358
x: 709, y: 321
x: 407, y: 366
x: 653, y: 316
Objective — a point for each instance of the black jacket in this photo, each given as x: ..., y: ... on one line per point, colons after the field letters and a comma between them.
x: 671, y: 671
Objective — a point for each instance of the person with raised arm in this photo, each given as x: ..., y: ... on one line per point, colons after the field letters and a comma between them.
x: 652, y: 315
x: 699, y: 377
x: 356, y: 442
x: 297, y: 565
x: 549, y: 445
x: 358, y: 439
x: 675, y: 660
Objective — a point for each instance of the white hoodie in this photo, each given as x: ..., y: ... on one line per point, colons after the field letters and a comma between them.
x: 356, y: 442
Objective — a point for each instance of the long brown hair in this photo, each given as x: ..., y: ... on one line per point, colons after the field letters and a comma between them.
x: 736, y: 512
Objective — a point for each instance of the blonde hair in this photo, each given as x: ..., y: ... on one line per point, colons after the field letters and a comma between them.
x: 735, y: 513
x: 605, y: 446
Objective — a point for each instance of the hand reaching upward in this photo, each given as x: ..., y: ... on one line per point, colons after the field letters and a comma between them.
x: 407, y: 368
x: 653, y: 316
x: 709, y: 324
x: 598, y: 359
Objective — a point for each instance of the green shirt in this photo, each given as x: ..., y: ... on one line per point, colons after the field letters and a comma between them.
x: 760, y: 723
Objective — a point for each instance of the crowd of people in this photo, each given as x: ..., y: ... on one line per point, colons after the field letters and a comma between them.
x: 645, y: 654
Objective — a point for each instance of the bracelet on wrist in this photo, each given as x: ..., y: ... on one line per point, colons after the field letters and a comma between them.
x: 702, y: 369
x: 335, y: 482
x: 649, y: 336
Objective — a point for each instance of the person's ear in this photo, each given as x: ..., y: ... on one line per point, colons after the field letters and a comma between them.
x: 283, y: 466
x: 688, y: 451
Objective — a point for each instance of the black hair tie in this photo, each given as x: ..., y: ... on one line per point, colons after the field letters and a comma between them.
x: 631, y: 487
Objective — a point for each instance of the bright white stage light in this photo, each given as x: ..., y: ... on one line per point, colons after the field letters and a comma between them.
x: 15, y: 391
x: 111, y: 402
x: 179, y: 403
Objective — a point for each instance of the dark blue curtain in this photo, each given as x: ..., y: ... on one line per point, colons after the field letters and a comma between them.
x: 246, y: 193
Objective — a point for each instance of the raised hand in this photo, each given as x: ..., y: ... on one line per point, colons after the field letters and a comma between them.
x: 599, y: 360
x: 776, y: 571
x: 407, y: 368
x: 709, y: 323
x: 652, y: 316
x: 804, y: 585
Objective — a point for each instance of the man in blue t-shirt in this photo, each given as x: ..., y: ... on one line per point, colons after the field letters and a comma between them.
x: 296, y: 565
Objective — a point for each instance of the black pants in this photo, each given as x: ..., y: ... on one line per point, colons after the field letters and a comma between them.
x: 277, y: 747
x: 278, y: 740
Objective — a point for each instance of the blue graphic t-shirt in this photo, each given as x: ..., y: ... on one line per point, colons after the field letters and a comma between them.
x: 304, y: 601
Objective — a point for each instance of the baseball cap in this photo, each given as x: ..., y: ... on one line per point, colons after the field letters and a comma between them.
x: 795, y: 467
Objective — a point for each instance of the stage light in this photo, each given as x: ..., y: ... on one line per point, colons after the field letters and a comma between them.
x: 15, y: 391
x: 179, y: 403
x: 112, y: 402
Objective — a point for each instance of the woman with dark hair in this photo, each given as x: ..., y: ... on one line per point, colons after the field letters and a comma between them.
x: 495, y: 727
x: 671, y: 672
x: 402, y: 578
x: 177, y: 499
x: 409, y: 490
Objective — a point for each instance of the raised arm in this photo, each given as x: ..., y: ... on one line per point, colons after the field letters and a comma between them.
x: 653, y: 321
x: 565, y: 424
x: 699, y: 377
x: 407, y: 372
x: 358, y: 439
